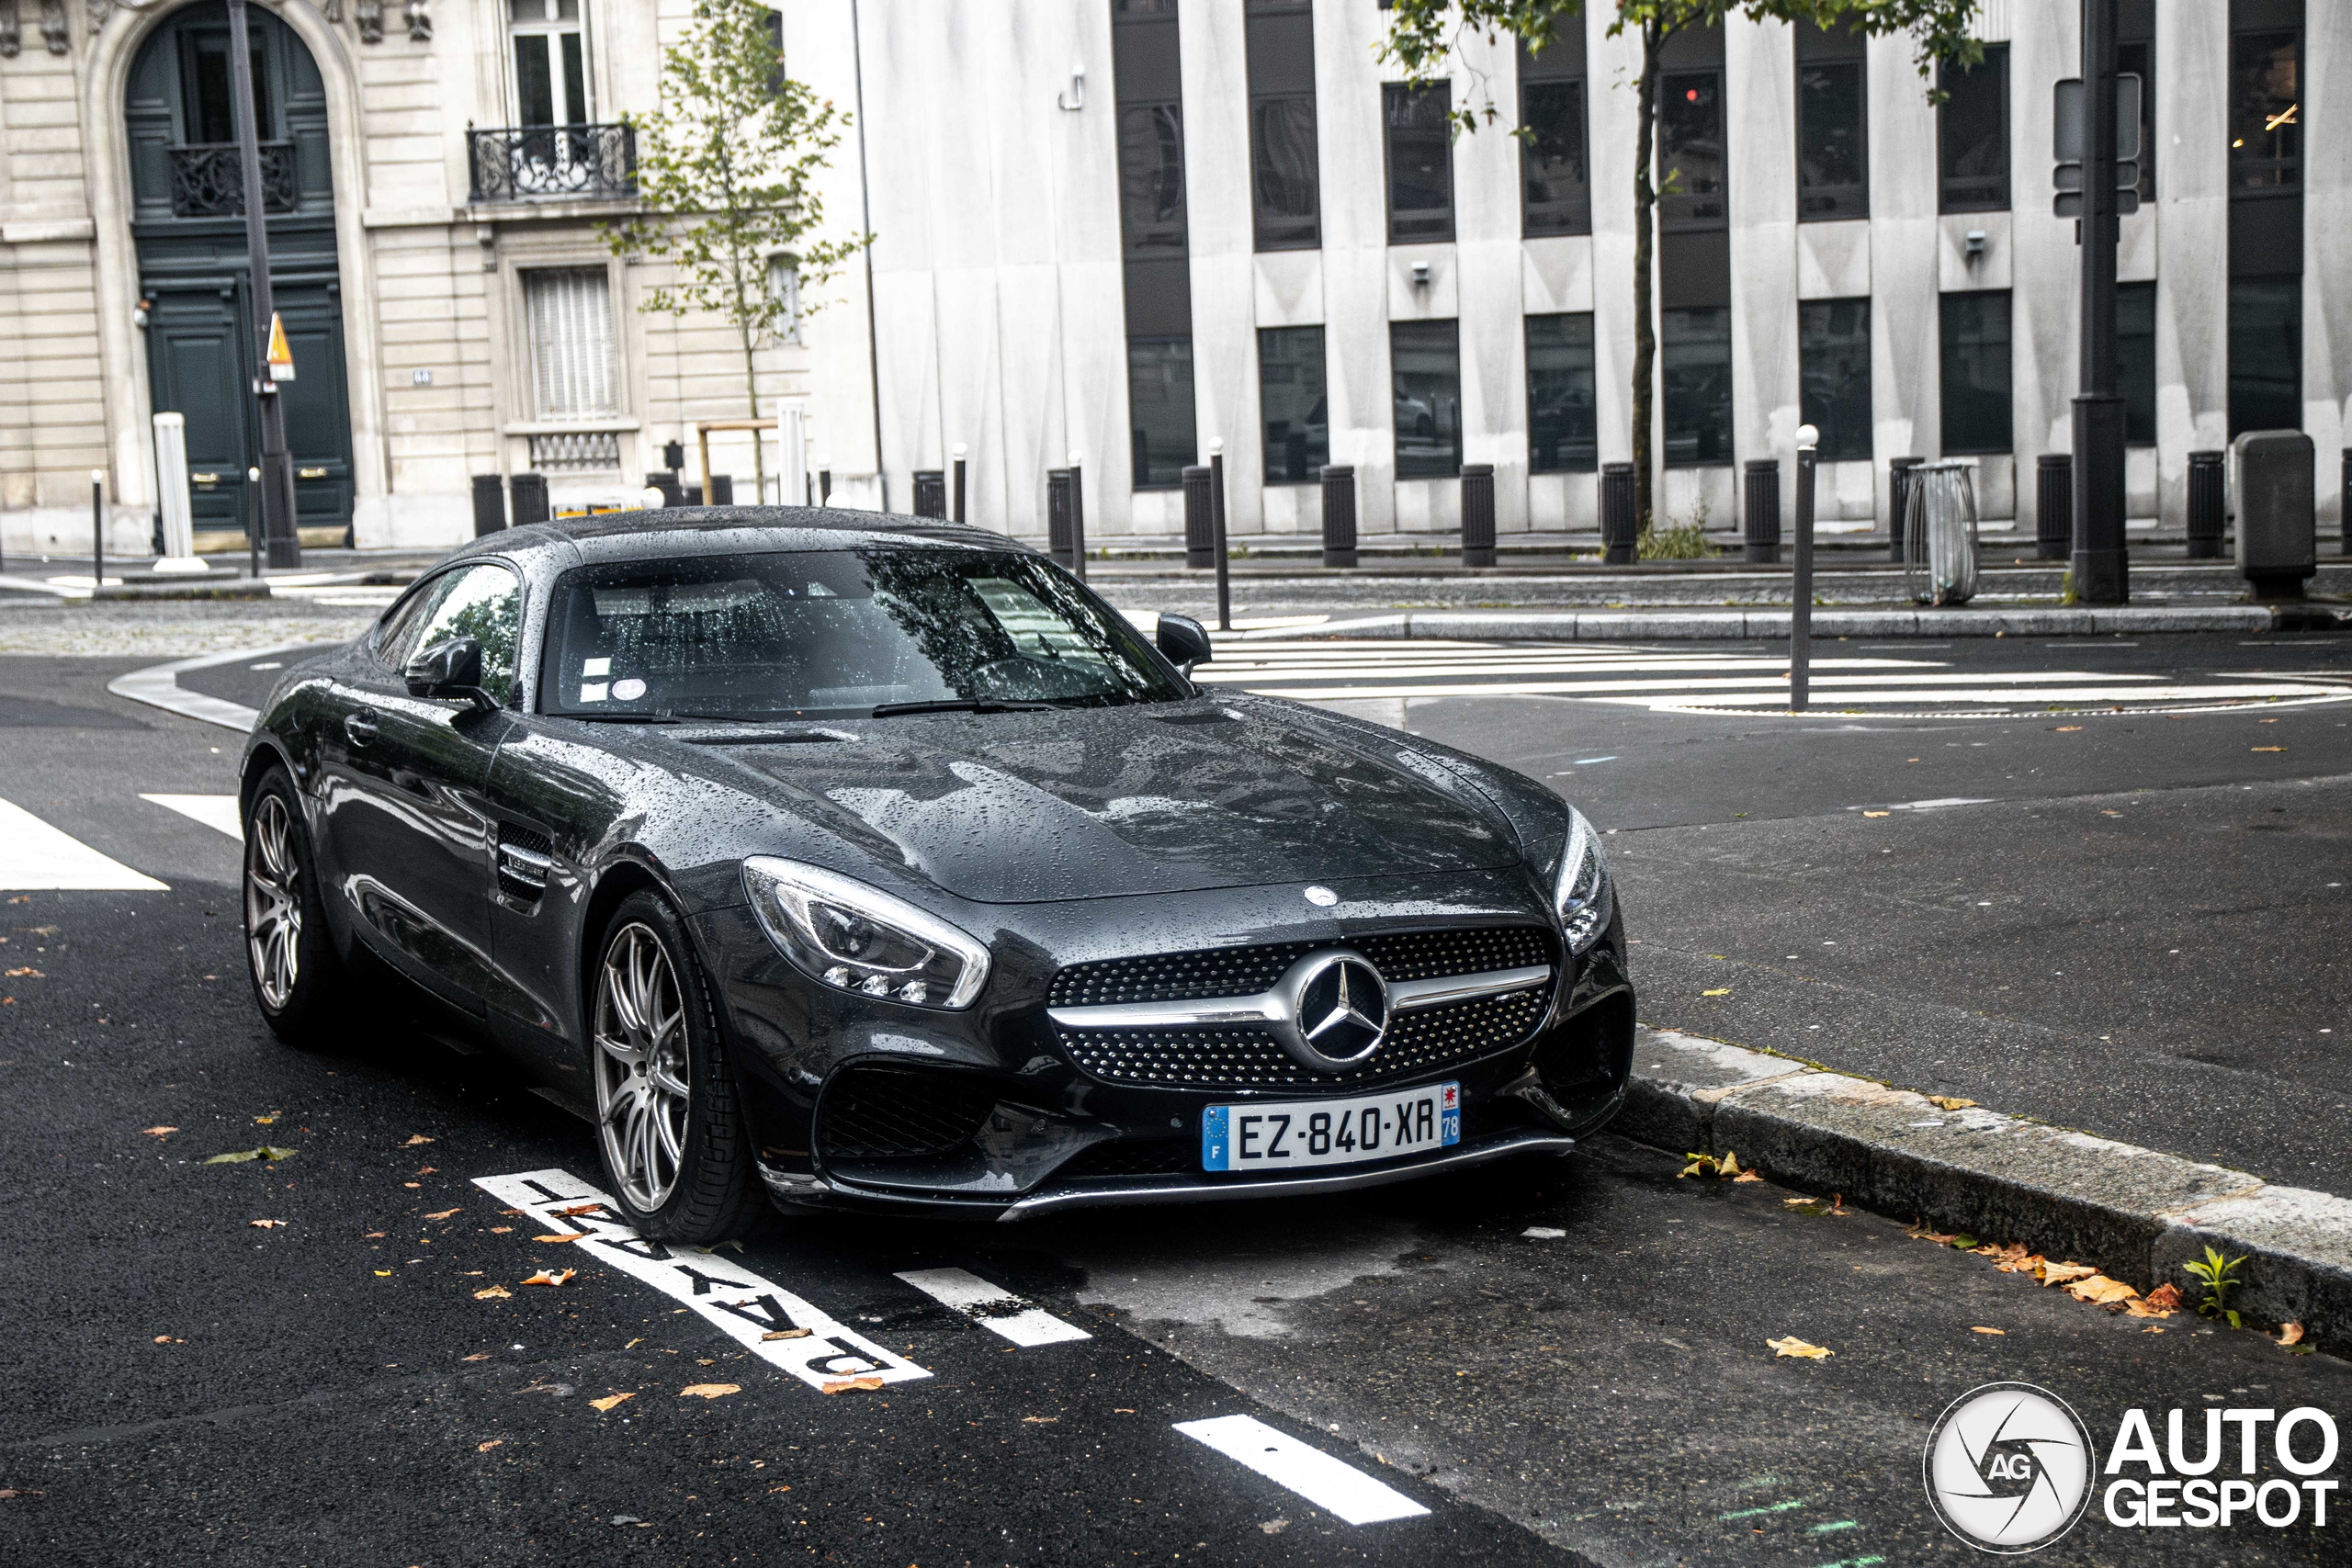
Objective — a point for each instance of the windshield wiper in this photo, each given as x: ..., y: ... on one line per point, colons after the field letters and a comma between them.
x: 960, y: 704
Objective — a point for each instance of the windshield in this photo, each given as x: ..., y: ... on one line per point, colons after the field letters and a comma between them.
x: 836, y: 634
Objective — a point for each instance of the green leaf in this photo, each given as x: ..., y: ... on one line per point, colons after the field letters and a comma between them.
x: 1963, y: 1242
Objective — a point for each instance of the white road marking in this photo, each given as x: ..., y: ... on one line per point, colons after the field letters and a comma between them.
x: 997, y: 1311
x: 741, y: 1305
x: 1336, y: 1488
x: 213, y: 810
x: 35, y: 857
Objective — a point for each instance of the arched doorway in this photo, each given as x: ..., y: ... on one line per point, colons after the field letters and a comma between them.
x: 187, y: 225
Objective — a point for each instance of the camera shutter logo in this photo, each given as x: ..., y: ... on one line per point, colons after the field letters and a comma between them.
x: 2008, y: 1468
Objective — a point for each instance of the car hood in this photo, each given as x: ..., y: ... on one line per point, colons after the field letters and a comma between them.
x: 1158, y: 798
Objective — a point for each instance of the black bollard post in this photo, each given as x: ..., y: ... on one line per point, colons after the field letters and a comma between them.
x: 1216, y: 516
x: 1057, y: 515
x: 1077, y: 517
x: 959, y: 481
x: 97, y: 530
x: 1339, y: 516
x: 1478, y: 514
x: 253, y: 523
x: 1801, y: 595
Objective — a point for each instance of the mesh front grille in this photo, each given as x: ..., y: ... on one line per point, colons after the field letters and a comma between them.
x: 1417, y: 1041
x: 891, y: 1113
x: 1133, y: 1157
x: 1246, y: 970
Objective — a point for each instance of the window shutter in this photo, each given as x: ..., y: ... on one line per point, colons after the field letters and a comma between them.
x: 570, y: 320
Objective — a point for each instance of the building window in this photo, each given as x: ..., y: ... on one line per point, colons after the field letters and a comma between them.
x: 1561, y: 421
x: 210, y: 105
x: 1834, y: 376
x: 568, y: 312
x: 1284, y: 170
x: 1833, y: 126
x: 1420, y: 162
x: 2135, y: 54
x: 1976, y: 373
x: 1291, y: 402
x: 2265, y: 111
x: 550, y: 62
x: 2135, y: 360
x: 1425, y: 361
x: 784, y: 288
x: 1555, y: 181
x: 1691, y: 149
x: 1973, y: 135
x: 1694, y: 352
x: 1160, y: 398
x: 2266, y: 354
x: 1151, y: 178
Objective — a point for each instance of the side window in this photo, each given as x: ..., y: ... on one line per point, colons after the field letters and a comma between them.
x: 484, y: 602
x: 397, y: 636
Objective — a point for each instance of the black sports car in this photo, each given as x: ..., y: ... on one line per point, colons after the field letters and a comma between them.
x: 871, y: 860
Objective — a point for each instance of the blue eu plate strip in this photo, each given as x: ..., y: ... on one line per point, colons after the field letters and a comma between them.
x: 1214, y: 1153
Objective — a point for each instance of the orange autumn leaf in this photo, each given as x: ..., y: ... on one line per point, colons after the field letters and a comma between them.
x: 445, y: 1213
x: 159, y: 1132
x: 1792, y: 1346
x: 711, y: 1389
x: 415, y: 1139
x: 845, y: 1385
x: 494, y: 1293
x: 2291, y: 1334
x: 610, y: 1400
x: 558, y: 1278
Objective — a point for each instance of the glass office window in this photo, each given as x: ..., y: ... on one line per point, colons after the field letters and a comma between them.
x: 1159, y: 400
x: 1834, y: 376
x: 1975, y: 373
x: 2266, y: 354
x: 1561, y: 422
x: 1425, y: 365
x: 1690, y: 149
x: 1556, y: 182
x: 1286, y: 177
x: 1972, y: 134
x: 1292, y: 403
x: 2135, y: 360
x: 1833, y: 165
x: 1694, y: 351
x: 1420, y: 162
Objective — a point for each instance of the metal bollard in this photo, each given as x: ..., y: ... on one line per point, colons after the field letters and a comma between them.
x: 930, y: 493
x: 1222, y: 549
x: 1077, y: 517
x: 2053, y: 506
x: 489, y: 502
x: 1057, y: 515
x: 2345, y: 511
x: 1801, y: 595
x: 2208, y: 502
x: 1339, y: 516
x: 1200, y: 520
x: 1898, y: 495
x: 253, y: 523
x: 528, y: 494
x: 1478, y: 514
x: 1619, y: 530
x: 97, y: 530
x: 1761, y: 511
x: 824, y: 487
x: 958, y: 513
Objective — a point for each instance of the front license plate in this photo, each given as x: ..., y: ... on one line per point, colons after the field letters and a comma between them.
x: 1288, y: 1136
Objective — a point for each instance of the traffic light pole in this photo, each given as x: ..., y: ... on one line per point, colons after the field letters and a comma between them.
x: 277, y: 469
x: 2101, y: 571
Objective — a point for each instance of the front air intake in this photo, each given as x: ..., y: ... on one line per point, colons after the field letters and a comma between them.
x: 893, y: 1113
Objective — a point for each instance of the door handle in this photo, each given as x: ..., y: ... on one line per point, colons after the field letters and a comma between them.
x: 360, y: 728
x: 310, y: 473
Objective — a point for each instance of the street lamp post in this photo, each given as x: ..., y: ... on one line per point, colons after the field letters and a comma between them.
x: 276, y: 468
x: 2100, y: 569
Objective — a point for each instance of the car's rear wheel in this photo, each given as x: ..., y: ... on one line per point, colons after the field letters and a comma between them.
x: 668, y: 1123
x: 289, y: 955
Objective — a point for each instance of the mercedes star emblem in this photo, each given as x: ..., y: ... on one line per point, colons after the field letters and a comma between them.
x: 1337, y: 1011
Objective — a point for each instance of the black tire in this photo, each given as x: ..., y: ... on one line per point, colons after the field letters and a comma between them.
x: 681, y: 1172
x: 298, y: 982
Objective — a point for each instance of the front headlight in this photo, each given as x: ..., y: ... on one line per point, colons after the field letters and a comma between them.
x: 1581, y: 899
x: 856, y: 938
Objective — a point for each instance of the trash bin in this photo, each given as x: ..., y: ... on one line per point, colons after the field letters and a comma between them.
x: 528, y: 494
x: 1057, y: 531
x: 1939, y: 534
x: 1620, y: 529
x: 1898, y: 480
x: 930, y: 493
x: 1338, y: 514
x: 1478, y: 514
x: 2207, y: 504
x: 1200, y: 518
x: 1760, y: 511
x: 490, y: 505
x: 2278, y: 511
x: 2053, y: 506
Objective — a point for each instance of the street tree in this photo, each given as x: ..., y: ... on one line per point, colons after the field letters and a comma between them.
x: 1423, y: 34
x: 727, y: 171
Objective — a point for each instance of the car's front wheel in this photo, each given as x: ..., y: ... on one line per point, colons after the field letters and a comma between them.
x: 668, y: 1123
x: 289, y: 956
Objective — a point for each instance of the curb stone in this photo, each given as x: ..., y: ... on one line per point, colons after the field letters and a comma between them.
x: 2137, y: 1213
x: 1738, y: 625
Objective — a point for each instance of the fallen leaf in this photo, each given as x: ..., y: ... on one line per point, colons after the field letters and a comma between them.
x: 383, y: 1273
x: 2100, y: 1291
x: 26, y: 973
x: 2165, y: 1297
x: 720, y: 1390
x: 610, y: 1400
x: 2291, y: 1334
x: 574, y: 1209
x: 1949, y: 1102
x: 2152, y: 1328
x: 493, y: 1294
x: 267, y: 1152
x: 1997, y: 1332
x: 1795, y: 1202
x: 424, y: 1170
x: 558, y: 1278
x: 264, y: 1120
x: 479, y: 1355
x: 1039, y: 1420
x: 502, y: 1230
x: 415, y: 1139
x: 167, y: 1339
x: 1718, y: 991
x: 266, y: 1225
x: 2061, y: 1273
x: 1730, y: 1166
x: 375, y: 1236
x: 1792, y: 1346
x: 1878, y: 814
x: 2255, y: 749
x: 844, y: 1385
x: 493, y: 1443
x: 779, y: 1334
x: 445, y: 1213
x: 2068, y: 729
x: 159, y: 1132
x: 412, y: 1184
x: 1746, y: 1175
x: 7, y: 1492
x: 1920, y: 1231
x: 552, y: 1240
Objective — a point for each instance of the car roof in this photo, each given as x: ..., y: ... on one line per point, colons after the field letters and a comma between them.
x: 722, y: 530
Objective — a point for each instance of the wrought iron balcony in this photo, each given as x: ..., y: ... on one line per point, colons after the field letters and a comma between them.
x: 209, y: 179
x: 539, y: 162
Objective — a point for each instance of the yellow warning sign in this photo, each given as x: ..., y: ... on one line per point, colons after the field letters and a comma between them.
x: 281, y: 357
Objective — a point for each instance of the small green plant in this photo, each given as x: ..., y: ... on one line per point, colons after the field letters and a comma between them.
x: 2066, y: 593
x: 1686, y: 540
x: 2219, y: 1276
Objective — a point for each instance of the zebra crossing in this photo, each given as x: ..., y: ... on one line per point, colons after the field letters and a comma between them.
x: 1734, y: 685
x: 37, y: 856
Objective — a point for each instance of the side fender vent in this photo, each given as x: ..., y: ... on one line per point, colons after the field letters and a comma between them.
x: 525, y: 860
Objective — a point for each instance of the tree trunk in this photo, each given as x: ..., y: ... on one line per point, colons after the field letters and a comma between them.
x: 1645, y: 250
x: 751, y: 386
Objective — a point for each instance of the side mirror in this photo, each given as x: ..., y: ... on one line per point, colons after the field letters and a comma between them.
x: 1184, y: 641
x: 450, y: 668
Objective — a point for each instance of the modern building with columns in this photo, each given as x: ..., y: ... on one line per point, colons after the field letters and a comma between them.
x: 1128, y: 230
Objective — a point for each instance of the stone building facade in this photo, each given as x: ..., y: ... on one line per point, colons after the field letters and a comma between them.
x: 1127, y: 229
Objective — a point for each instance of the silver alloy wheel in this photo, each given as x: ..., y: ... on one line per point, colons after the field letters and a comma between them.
x: 273, y: 903
x: 643, y: 1087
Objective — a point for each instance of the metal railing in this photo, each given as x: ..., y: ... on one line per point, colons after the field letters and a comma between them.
x: 576, y: 452
x: 208, y: 180
x: 542, y: 162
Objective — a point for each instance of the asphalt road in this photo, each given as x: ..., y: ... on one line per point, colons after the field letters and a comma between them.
x: 186, y: 1387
